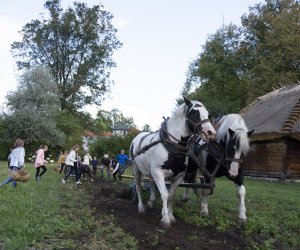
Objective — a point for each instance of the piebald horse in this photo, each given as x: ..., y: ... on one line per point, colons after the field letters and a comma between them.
x: 161, y: 155
x: 221, y: 158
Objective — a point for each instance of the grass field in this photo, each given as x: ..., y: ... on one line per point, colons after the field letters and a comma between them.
x: 49, y: 215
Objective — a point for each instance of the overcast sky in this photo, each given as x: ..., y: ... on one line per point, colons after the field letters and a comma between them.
x: 160, y: 37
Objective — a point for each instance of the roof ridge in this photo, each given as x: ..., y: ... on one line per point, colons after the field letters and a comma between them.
x: 293, y: 119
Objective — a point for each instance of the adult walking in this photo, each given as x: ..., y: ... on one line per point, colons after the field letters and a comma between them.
x: 122, y: 159
x: 16, y: 161
x: 70, y: 164
x: 105, y: 164
x: 40, y: 162
x: 85, y: 166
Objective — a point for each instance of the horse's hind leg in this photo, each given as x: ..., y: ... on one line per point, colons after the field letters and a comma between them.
x: 172, y: 190
x: 160, y: 182
x: 137, y: 179
x: 152, y: 194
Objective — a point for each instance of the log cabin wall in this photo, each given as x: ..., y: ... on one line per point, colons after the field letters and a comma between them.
x: 266, y: 159
x: 293, y: 158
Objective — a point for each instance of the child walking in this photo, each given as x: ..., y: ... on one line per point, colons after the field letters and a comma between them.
x: 70, y: 164
x: 40, y: 162
x: 62, y: 162
x: 16, y: 161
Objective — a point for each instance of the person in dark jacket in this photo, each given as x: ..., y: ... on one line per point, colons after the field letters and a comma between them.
x: 95, y: 164
x: 105, y: 164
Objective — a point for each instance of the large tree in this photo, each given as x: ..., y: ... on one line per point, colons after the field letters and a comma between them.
x: 272, y: 38
x: 32, y: 109
x: 77, y: 45
x: 215, y: 76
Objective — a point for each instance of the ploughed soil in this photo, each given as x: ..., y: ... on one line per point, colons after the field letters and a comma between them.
x: 116, y: 199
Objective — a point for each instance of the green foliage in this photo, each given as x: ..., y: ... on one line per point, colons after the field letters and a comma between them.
x: 273, y: 212
x: 32, y: 109
x: 70, y: 125
x: 77, y: 45
x: 112, y: 145
x: 272, y: 35
x: 238, y: 64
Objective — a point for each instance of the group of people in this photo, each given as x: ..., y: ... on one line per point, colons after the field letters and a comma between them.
x: 70, y: 162
x: 73, y: 165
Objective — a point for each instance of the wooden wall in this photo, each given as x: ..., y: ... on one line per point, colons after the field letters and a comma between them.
x: 266, y: 159
x: 293, y: 158
x: 274, y: 159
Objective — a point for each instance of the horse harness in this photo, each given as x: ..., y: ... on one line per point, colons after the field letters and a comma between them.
x: 178, y: 149
x: 214, y: 149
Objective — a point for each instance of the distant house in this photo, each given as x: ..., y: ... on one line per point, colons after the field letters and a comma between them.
x: 275, y: 143
x: 120, y: 130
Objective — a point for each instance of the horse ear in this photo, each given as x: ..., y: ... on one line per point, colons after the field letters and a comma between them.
x: 231, y: 132
x: 187, y: 102
x: 250, y: 133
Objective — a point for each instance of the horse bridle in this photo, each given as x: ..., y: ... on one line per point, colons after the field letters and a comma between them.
x: 196, y: 125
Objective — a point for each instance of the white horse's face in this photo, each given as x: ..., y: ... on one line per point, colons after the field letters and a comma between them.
x: 234, y: 152
x: 197, y: 120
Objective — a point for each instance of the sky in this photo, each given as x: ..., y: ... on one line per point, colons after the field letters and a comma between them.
x: 160, y: 38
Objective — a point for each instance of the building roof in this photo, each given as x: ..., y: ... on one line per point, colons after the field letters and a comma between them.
x: 275, y: 115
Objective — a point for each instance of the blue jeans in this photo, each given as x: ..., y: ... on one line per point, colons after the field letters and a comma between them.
x: 10, y: 179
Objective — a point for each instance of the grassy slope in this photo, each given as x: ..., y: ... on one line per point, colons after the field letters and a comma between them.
x: 50, y: 215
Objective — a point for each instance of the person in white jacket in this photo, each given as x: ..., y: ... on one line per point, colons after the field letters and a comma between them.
x: 16, y: 161
x: 71, y: 164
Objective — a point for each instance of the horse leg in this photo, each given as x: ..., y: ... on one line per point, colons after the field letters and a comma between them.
x: 204, y: 201
x: 172, y: 190
x: 185, y: 195
x: 152, y: 194
x: 241, y: 190
x: 137, y: 179
x: 164, y: 194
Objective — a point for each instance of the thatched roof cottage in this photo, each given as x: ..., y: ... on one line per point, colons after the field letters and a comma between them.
x: 275, y: 118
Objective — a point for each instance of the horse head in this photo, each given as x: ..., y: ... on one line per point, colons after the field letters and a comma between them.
x: 197, y: 121
x: 236, y: 147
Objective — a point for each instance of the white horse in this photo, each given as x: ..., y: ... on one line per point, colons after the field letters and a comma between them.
x: 223, y: 158
x: 162, y: 154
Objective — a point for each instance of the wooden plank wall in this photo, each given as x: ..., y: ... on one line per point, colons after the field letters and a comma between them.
x: 266, y: 159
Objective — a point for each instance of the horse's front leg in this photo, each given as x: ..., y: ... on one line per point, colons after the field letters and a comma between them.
x: 172, y: 192
x: 137, y: 179
x: 204, y: 201
x: 241, y: 190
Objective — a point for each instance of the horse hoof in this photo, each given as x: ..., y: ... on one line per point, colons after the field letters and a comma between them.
x: 150, y: 204
x: 165, y: 225
x: 173, y: 220
x: 242, y: 221
x: 204, y: 214
x: 141, y: 211
x: 184, y: 200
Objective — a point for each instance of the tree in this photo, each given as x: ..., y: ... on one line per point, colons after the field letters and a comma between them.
x: 32, y: 109
x: 216, y: 75
x: 271, y: 45
x: 146, y: 128
x: 77, y: 46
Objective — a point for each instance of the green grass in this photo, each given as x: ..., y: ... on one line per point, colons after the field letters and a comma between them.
x: 49, y: 215
x: 273, y: 211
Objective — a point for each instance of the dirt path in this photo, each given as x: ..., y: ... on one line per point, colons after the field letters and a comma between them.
x: 115, y: 199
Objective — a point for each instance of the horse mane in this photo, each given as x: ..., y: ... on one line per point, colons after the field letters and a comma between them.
x: 236, y: 123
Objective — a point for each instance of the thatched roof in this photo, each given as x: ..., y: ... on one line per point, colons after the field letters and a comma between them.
x: 275, y: 115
